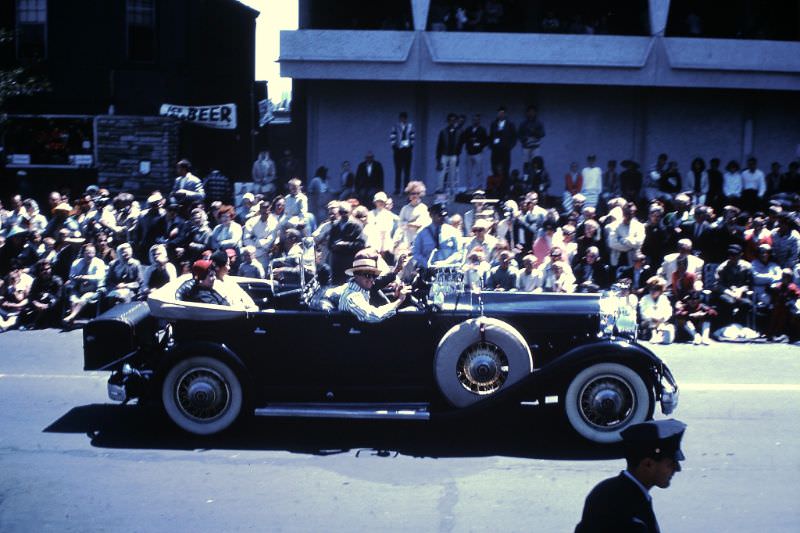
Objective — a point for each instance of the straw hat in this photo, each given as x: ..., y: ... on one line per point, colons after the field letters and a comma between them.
x: 364, y: 264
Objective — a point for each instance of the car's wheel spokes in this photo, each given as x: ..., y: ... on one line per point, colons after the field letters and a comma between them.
x: 482, y: 368
x: 607, y: 402
x: 202, y: 394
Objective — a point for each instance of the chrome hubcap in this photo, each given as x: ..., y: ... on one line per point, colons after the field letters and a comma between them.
x: 607, y: 402
x: 202, y: 394
x: 482, y: 368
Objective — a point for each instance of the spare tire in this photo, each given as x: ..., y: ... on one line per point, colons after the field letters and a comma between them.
x: 478, y: 358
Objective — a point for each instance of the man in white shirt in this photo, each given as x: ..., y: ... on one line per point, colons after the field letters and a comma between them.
x: 592, y: 181
x: 296, y: 201
x: 355, y: 298
x: 754, y: 186
x: 260, y: 232
x: 626, y: 236
x: 264, y: 173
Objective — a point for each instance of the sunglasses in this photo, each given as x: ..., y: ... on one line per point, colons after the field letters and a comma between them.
x: 368, y: 275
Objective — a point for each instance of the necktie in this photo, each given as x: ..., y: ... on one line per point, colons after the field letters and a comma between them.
x: 405, y: 135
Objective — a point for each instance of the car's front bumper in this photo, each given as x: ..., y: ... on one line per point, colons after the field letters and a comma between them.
x: 669, y: 391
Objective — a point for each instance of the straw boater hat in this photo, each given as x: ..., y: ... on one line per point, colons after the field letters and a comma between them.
x: 364, y: 264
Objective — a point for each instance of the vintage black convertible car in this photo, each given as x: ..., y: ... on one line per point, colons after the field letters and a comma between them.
x: 453, y: 352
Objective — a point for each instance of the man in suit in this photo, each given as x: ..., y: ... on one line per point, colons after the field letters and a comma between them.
x: 502, y: 138
x: 402, y: 140
x: 369, y: 179
x: 447, y: 149
x: 623, y: 503
x: 188, y: 188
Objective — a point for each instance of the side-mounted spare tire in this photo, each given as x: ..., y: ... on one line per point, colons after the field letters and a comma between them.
x: 478, y: 358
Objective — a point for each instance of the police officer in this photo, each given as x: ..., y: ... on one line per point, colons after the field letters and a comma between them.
x: 623, y: 503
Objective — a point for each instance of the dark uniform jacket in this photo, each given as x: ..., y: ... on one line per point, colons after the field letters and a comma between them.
x: 617, y: 505
x: 192, y: 291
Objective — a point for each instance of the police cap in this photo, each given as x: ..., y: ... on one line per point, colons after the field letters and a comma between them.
x: 655, y: 438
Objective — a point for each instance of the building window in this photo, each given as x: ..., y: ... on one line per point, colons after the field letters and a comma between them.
x: 31, y: 29
x: 141, y: 24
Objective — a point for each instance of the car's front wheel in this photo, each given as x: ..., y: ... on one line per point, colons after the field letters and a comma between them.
x: 202, y: 395
x: 604, y: 399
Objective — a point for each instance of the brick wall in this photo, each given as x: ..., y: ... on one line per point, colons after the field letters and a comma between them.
x: 124, y: 141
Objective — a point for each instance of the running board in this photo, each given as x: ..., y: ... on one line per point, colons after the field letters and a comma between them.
x: 395, y: 411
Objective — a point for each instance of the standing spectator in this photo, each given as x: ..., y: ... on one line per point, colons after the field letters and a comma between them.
x: 474, y: 139
x: 369, y: 179
x: 413, y: 215
x: 694, y: 317
x: 538, y: 177
x: 655, y: 312
x: 630, y: 180
x: 124, y: 275
x: 218, y: 188
x: 347, y: 182
x: 754, y: 186
x: 401, y: 139
x: 261, y: 232
x: 790, y: 182
x: 716, y: 181
x: 657, y: 236
x: 652, y: 186
x: 592, y: 181
x: 671, y: 181
x: 287, y: 168
x: 698, y: 229
x: 547, y: 240
x: 734, y: 279
x: 188, y: 188
x: 697, y: 180
x: 150, y: 228
x: 438, y: 242
x: 785, y: 242
x: 263, y: 173
x: 527, y: 224
x: 625, y: 237
x: 573, y: 184
x: 86, y: 279
x: 637, y: 274
x: 384, y: 222
x: 611, y: 184
x: 774, y: 179
x: 674, y: 220
x: 447, y: 148
x: 588, y: 236
x: 502, y: 138
x: 693, y: 264
x: 228, y: 233
x: 732, y: 183
x: 318, y: 196
x: 296, y: 201
x: 531, y: 133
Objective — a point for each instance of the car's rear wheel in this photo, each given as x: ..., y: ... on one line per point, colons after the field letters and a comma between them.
x: 604, y: 399
x: 479, y: 357
x: 202, y: 395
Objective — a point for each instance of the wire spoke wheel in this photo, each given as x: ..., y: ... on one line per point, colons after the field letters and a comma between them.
x: 482, y: 368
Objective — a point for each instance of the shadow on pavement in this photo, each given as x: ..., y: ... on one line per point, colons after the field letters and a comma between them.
x: 536, y: 434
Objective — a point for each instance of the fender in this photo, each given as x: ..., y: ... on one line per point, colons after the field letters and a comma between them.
x: 208, y: 348
x: 644, y: 361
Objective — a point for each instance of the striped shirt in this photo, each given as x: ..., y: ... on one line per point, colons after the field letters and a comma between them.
x: 355, y: 300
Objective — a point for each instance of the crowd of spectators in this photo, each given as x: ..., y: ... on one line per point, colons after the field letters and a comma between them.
x: 694, y: 252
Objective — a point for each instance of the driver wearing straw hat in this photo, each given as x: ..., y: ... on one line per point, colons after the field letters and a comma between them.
x: 355, y: 298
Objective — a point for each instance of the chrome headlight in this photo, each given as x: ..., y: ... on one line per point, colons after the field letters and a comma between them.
x: 618, y: 315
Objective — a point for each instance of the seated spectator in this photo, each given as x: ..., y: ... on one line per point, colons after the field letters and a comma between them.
x: 785, y: 242
x: 785, y: 316
x: 547, y: 240
x: 591, y: 274
x: 200, y: 289
x: 655, y: 311
x: 192, y: 239
x: 44, y: 299
x: 482, y: 238
x: 589, y: 235
x: 86, y: 279
x: 693, y: 317
x: 527, y: 278
x: 734, y: 280
x: 227, y: 235
x: 159, y: 272
x: 766, y: 273
x: 14, y: 297
x: 105, y: 252
x: 503, y: 277
x: 124, y: 276
x: 475, y: 269
x: 250, y: 267
x: 682, y: 282
x: 754, y: 237
x: 656, y: 236
x: 694, y: 264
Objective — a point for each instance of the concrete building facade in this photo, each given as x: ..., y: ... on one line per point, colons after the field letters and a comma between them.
x: 617, y: 96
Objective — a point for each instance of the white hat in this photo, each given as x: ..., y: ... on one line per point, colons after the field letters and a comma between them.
x: 380, y: 197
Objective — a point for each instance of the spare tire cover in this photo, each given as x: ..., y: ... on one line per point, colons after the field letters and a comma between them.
x: 470, y: 367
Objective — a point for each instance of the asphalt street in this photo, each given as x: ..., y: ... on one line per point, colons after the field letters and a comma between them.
x: 70, y: 460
